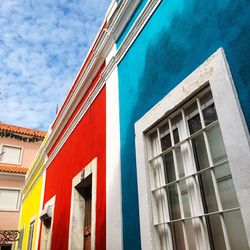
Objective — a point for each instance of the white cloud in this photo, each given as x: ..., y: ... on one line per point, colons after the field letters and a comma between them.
x: 42, y: 45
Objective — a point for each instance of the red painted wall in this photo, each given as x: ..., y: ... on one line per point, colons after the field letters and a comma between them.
x: 79, y: 106
x: 87, y: 141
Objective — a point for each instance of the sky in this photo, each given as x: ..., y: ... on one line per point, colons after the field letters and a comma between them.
x: 43, y: 44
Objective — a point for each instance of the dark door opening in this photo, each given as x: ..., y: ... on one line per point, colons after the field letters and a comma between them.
x: 85, y: 189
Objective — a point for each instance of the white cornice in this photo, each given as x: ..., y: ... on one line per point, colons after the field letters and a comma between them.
x: 135, y: 30
x: 12, y: 176
x: 103, y: 43
x: 101, y: 47
x: 122, y: 16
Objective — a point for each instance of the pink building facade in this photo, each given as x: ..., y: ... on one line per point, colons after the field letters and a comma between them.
x: 18, y: 147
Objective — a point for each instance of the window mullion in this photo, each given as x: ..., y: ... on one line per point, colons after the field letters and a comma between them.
x: 191, y: 162
x: 216, y: 189
x: 174, y: 153
x: 210, y: 160
x: 178, y: 184
x: 197, y: 199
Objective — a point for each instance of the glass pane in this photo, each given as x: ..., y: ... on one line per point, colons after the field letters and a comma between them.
x: 185, y: 198
x: 191, y: 234
x: 209, y: 114
x: 162, y: 233
x: 178, y: 237
x: 206, y: 97
x: 226, y: 187
x: 159, y: 206
x: 9, y: 199
x: 157, y: 176
x: 215, y: 231
x: 166, y: 142
x: 173, y: 201
x: 194, y: 124
x: 235, y: 230
x: 176, y: 123
x: 154, y: 149
x: 217, y: 148
x: 200, y: 152
x: 10, y: 155
x: 169, y: 167
x: 179, y: 162
x: 176, y: 136
x: 207, y: 192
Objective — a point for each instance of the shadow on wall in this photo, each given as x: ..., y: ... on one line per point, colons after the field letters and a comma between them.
x: 191, y: 38
x: 173, y: 53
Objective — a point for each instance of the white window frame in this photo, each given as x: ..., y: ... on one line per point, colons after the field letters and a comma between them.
x: 18, y: 200
x: 31, y: 239
x: 20, y: 240
x: 12, y: 146
x: 76, y: 240
x: 214, y: 70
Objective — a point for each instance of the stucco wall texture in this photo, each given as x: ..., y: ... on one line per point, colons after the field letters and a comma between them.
x: 177, y: 39
x: 90, y: 141
x: 30, y: 211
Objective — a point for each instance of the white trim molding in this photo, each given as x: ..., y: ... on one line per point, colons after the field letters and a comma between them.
x: 121, y: 17
x: 136, y: 28
x: 114, y: 239
x: 76, y: 209
x: 215, y: 71
x: 104, y: 42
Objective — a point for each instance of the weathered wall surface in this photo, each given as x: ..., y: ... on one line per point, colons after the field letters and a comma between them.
x: 176, y: 40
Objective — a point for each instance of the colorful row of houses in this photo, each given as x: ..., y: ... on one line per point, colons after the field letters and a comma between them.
x: 150, y: 149
x: 18, y: 147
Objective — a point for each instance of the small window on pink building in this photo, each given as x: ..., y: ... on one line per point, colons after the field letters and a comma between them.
x: 10, y: 155
x: 9, y: 199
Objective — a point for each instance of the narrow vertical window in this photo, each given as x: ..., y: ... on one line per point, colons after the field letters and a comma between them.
x: 87, y: 194
x: 20, y: 240
x: 31, y: 233
x: 83, y: 208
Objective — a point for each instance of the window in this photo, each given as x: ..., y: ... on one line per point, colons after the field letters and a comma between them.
x: 192, y: 173
x: 31, y: 233
x: 6, y: 247
x: 10, y: 155
x: 192, y: 193
x: 9, y: 199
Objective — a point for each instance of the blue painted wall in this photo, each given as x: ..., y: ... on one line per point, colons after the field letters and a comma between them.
x: 130, y: 23
x: 178, y: 38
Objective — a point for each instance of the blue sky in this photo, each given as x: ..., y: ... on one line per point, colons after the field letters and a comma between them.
x: 42, y: 46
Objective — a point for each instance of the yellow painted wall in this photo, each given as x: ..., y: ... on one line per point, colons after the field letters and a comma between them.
x: 30, y: 210
x: 32, y: 199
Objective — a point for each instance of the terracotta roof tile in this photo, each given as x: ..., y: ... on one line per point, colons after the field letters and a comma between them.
x: 13, y: 169
x: 21, y: 130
